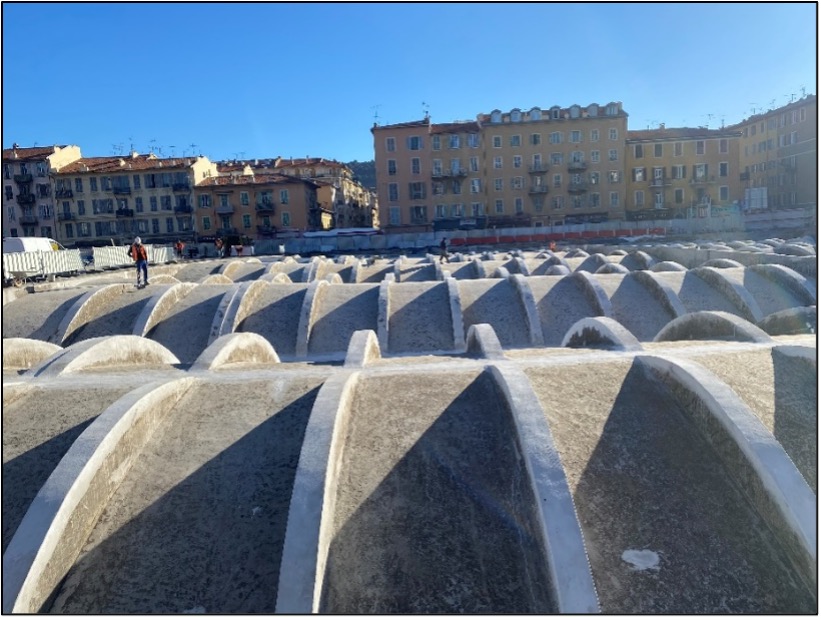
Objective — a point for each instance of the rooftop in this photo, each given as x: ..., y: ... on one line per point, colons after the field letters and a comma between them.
x: 135, y: 161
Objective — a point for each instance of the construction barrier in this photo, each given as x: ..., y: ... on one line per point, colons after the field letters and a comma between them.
x: 40, y: 263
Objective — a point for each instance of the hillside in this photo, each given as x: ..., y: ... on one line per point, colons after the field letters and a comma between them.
x: 364, y: 172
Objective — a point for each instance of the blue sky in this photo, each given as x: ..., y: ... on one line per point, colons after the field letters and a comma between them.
x: 261, y: 80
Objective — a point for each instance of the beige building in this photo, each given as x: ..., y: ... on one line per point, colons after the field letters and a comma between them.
x: 681, y: 172
x: 520, y: 168
x: 778, y: 156
x: 104, y: 199
x: 28, y: 194
x: 255, y: 206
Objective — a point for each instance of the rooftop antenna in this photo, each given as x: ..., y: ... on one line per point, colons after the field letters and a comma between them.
x: 772, y: 104
x: 792, y: 97
x: 375, y: 108
x: 241, y: 154
x: 151, y: 145
x: 722, y: 121
x: 193, y: 148
x: 172, y: 147
x: 426, y: 109
x: 131, y: 141
x: 803, y: 91
x: 753, y: 108
x: 117, y: 148
x: 709, y: 118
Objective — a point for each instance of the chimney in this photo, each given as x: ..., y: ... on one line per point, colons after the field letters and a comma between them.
x: 661, y: 125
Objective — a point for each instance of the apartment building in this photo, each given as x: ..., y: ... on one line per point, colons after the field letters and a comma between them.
x: 681, y: 172
x: 103, y: 199
x: 778, y: 156
x: 520, y: 168
x: 255, y: 206
x: 28, y: 195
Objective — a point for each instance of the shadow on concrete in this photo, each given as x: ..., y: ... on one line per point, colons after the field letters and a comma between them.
x: 212, y: 544
x: 565, y: 303
x: 276, y: 319
x: 638, y: 310
x: 25, y: 474
x: 249, y: 273
x: 500, y: 306
x: 118, y: 322
x: 423, y: 323
x: 697, y: 295
x: 351, y: 309
x: 450, y: 528
x: 186, y: 329
x: 374, y: 273
x: 17, y: 316
x: 653, y: 482
x: 796, y: 412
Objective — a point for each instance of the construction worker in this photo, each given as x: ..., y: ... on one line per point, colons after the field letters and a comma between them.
x: 139, y: 253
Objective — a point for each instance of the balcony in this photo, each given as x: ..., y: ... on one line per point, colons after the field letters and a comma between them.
x: 66, y: 216
x: 660, y: 182
x: 121, y: 190
x: 29, y: 220
x: 538, y: 168
x: 576, y: 166
x: 266, y: 208
x: 538, y: 189
x: 26, y: 199
x: 22, y: 178
x: 183, y: 209
x: 449, y: 174
x: 63, y: 193
x: 266, y: 231
x: 224, y: 232
x: 578, y: 187
x: 225, y: 209
x: 181, y: 187
x: 745, y: 176
x: 124, y: 213
x: 704, y: 180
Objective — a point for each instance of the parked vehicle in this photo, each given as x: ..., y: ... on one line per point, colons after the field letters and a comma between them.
x: 30, y: 244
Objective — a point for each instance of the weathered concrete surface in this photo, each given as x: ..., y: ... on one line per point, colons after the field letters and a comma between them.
x: 38, y: 429
x: 561, y: 301
x: 275, y: 316
x: 197, y: 271
x: 634, y: 305
x: 186, y: 327
x: 802, y: 320
x: 695, y: 293
x: 343, y: 309
x: 23, y: 353
x: 205, y: 519
x: 420, y: 320
x: 782, y: 392
x: 424, y: 523
x: 37, y: 315
x: 496, y: 303
x: 711, y: 325
x: 626, y: 444
x: 117, y: 316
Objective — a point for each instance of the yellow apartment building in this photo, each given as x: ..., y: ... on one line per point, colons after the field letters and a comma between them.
x: 681, y: 172
x: 778, y: 156
x: 520, y: 168
x: 256, y: 206
x: 28, y: 195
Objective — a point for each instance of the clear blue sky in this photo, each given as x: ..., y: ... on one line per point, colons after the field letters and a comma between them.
x: 261, y: 80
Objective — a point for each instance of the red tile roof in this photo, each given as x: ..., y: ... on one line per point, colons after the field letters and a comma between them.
x: 258, y: 179
x: 34, y: 153
x: 126, y: 163
x: 422, y: 123
x: 457, y: 127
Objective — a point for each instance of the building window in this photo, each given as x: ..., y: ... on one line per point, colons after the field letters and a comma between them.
x: 723, y: 169
x: 457, y: 210
x: 475, y: 186
x: 456, y: 187
x: 473, y: 140
x: 497, y: 142
x: 723, y: 146
x: 416, y: 166
x: 136, y: 181
x: 169, y: 224
x: 724, y: 193
x: 557, y: 180
x: 613, y: 133
x: 594, y: 135
x: 679, y: 171
x: 390, y: 145
x: 165, y: 203
x: 498, y: 184
x: 595, y: 200
x: 81, y: 207
x: 453, y: 141
x: 391, y: 167
x: 246, y: 220
x: 138, y: 204
x: 395, y: 215
x: 517, y: 182
x: 286, y: 219
x: 678, y: 196
x: 243, y: 198
x: 638, y: 174
x: 417, y: 191
x: 614, y: 199
x: 393, y: 192
x: 78, y: 185
x: 441, y: 211
x: 516, y: 140
x: 414, y: 143
x: 557, y: 202
x: 437, y: 167
x: 700, y: 172
x: 613, y: 155
x: 438, y: 188
x: 594, y: 157
x: 658, y: 150
x: 474, y: 164
x: 555, y: 137
x: 205, y: 200
x: 500, y: 206
x: 594, y: 178
x: 518, y: 205
x: 153, y: 200
x: 614, y: 176
x: 576, y: 136
x: 699, y: 147
x: 535, y: 138
x: 517, y: 161
x: 9, y: 192
x: 658, y: 200
x: 638, y: 151
x: 92, y: 183
x: 497, y: 162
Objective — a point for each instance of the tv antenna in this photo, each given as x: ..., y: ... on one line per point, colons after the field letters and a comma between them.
x: 803, y: 91
x: 722, y: 121
x: 772, y: 104
x: 426, y: 109
x: 709, y: 118
x: 753, y: 108
x: 375, y: 108
x: 193, y: 148
x: 172, y: 147
x: 151, y: 145
x: 131, y: 142
x: 117, y: 148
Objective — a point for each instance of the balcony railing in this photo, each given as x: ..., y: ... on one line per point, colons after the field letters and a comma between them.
x: 266, y: 230
x: 65, y: 216
x: 577, y: 165
x: 29, y: 220
x: 183, y: 209
x: 447, y: 174
x: 537, y: 168
x: 181, y: 187
x: 121, y: 190
x: 660, y: 182
x: 703, y: 180
x: 745, y: 176
x: 124, y: 213
x: 578, y: 187
x: 26, y: 199
x: 225, y: 209
x: 22, y: 178
x: 538, y: 189
x: 265, y: 207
